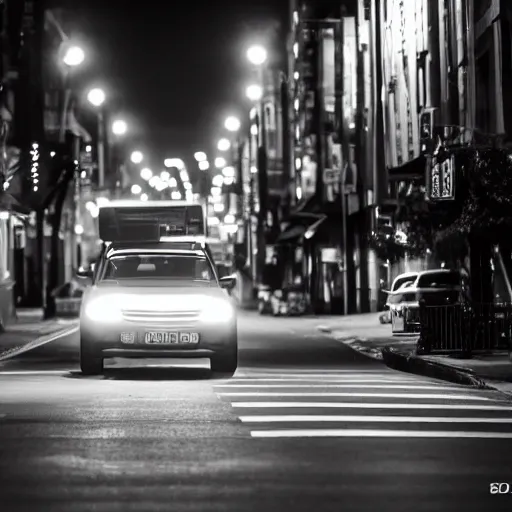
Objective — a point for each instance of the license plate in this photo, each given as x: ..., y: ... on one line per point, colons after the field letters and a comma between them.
x: 168, y: 338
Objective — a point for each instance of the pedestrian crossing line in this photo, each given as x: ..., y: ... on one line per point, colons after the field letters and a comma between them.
x: 408, y: 396
x: 367, y: 419
x: 379, y: 433
x: 367, y: 405
x: 343, y: 386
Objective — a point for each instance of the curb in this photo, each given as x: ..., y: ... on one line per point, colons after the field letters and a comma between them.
x: 63, y: 331
x: 412, y: 364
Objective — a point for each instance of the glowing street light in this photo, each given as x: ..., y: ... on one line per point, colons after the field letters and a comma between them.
x: 74, y: 56
x: 174, y: 162
x: 232, y: 124
x: 184, y: 176
x: 146, y: 174
x: 164, y: 175
x: 220, y: 162
x: 257, y: 55
x: 136, y: 190
x: 176, y: 195
x: 204, y: 165
x: 119, y: 127
x: 200, y: 156
x: 144, y: 197
x: 218, y: 180
x: 96, y: 97
x: 229, y: 219
x: 223, y: 145
x: 229, y: 172
x: 254, y: 92
x: 137, y: 157
x: 153, y: 181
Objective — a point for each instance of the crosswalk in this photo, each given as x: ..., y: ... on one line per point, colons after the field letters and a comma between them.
x: 362, y: 403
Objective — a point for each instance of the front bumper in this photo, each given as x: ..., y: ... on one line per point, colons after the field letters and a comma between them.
x: 126, y: 339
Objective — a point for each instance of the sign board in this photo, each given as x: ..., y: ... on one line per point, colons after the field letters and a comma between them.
x: 442, y: 179
x: 149, y: 222
x: 332, y: 176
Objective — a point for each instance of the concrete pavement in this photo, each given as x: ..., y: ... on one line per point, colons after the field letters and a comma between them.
x: 305, y: 424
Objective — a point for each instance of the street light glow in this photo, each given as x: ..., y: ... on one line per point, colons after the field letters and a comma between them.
x: 164, y: 175
x: 136, y: 190
x: 96, y: 97
x: 232, y: 124
x: 176, y: 195
x: 174, y: 162
x: 119, y: 127
x: 74, y: 56
x: 223, y: 145
x: 153, y: 181
x: 146, y: 174
x: 229, y: 219
x: 144, y: 197
x: 220, y: 162
x: 218, y: 181
x: 254, y: 92
x: 204, y: 165
x: 257, y: 55
x: 229, y: 172
x: 216, y: 191
x: 173, y: 182
x: 184, y: 176
x: 200, y: 156
x: 137, y: 157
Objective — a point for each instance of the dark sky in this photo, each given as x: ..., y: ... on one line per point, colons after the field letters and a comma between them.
x: 174, y: 69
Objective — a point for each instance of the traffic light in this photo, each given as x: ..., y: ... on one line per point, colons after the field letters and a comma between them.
x: 426, y: 131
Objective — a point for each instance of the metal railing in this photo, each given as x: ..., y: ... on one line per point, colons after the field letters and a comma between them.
x: 465, y: 328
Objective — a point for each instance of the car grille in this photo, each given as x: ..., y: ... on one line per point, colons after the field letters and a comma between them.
x: 175, y: 319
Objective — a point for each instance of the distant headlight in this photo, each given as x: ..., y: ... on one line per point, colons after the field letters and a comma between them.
x: 105, y: 310
x: 217, y: 310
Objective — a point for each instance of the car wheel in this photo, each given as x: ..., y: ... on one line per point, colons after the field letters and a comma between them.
x: 226, y: 362
x: 90, y: 363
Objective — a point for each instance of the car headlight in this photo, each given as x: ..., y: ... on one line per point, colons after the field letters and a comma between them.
x: 217, y: 311
x: 104, y: 310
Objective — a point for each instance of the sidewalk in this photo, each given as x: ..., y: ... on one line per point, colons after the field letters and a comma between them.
x: 30, y: 330
x: 365, y: 334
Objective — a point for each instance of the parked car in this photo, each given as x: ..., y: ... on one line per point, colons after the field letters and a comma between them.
x: 401, y: 280
x: 430, y: 287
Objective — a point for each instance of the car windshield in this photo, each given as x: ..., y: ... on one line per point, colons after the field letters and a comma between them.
x: 439, y: 280
x: 153, y: 266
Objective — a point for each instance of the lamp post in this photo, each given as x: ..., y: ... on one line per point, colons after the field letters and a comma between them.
x: 257, y: 56
x: 96, y: 98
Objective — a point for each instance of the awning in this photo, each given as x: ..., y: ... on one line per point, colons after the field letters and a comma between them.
x: 412, y: 170
x: 292, y: 233
x: 11, y: 204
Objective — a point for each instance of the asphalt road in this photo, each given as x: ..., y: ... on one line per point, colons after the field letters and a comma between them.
x: 306, y: 424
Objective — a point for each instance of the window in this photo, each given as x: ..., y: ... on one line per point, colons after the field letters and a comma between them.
x: 156, y: 266
x: 439, y: 280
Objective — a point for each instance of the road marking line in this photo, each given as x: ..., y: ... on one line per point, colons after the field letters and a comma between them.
x: 325, y: 379
x: 39, y: 342
x: 364, y: 405
x: 363, y: 419
x: 36, y: 372
x: 381, y: 433
x: 362, y: 395
x: 364, y: 386
x: 320, y: 371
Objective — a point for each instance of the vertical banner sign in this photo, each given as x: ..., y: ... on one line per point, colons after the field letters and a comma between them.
x: 442, y: 179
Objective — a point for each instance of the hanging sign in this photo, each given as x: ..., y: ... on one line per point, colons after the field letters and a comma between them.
x: 442, y: 179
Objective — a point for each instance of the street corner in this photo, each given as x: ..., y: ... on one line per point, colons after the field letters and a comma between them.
x: 409, y: 362
x: 23, y: 338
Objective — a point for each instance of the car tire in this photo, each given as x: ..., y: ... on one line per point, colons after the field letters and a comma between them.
x: 225, y: 362
x: 90, y: 363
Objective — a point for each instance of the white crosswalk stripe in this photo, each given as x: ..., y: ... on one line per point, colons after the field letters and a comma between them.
x: 299, y: 403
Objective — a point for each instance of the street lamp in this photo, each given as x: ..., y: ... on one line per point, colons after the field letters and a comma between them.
x: 96, y: 97
x: 146, y: 174
x: 174, y: 162
x: 136, y: 157
x: 204, y: 165
x: 143, y: 197
x: 200, y: 156
x: 136, y: 190
x: 223, y: 145
x: 257, y: 55
x: 254, y: 92
x: 74, y: 56
x: 220, y: 162
x: 232, y: 124
x: 119, y: 127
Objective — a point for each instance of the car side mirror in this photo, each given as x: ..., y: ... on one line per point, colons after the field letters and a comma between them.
x: 227, y: 282
x: 84, y: 273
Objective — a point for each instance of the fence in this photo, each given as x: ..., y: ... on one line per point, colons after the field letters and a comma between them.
x: 465, y: 328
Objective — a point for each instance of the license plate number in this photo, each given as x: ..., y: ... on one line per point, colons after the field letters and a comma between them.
x: 168, y: 338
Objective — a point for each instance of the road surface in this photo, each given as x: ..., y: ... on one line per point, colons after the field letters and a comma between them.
x: 306, y: 424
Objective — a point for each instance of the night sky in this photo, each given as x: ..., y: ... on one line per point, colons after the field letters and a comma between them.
x: 175, y: 70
